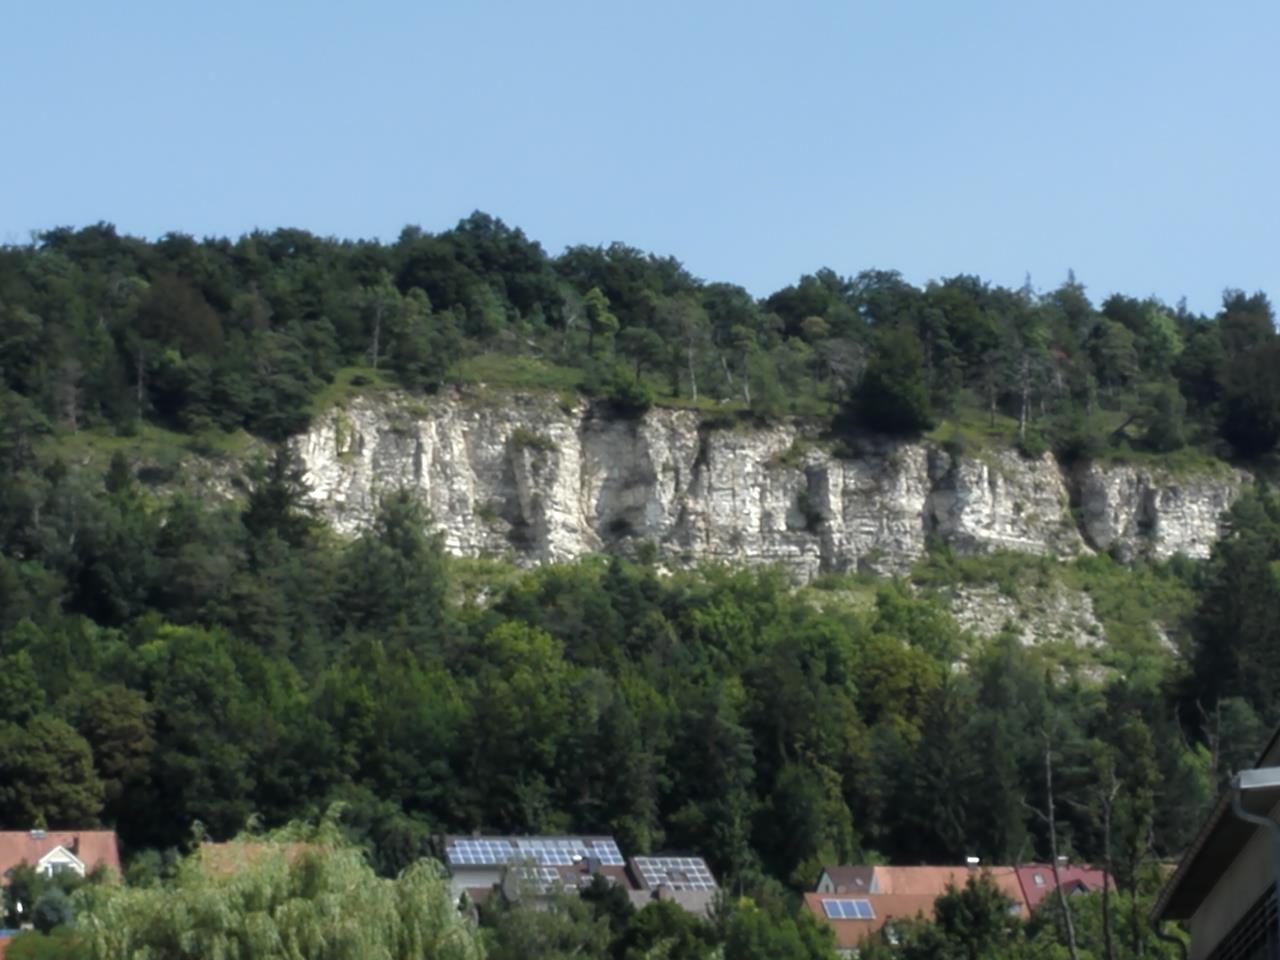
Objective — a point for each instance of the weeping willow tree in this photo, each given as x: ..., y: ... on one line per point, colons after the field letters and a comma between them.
x: 286, y: 898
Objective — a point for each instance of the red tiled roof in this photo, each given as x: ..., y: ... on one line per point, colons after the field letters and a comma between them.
x: 933, y: 881
x: 1073, y: 879
x: 91, y: 847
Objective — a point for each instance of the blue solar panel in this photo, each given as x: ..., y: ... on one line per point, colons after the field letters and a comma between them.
x: 848, y: 909
x: 543, y: 851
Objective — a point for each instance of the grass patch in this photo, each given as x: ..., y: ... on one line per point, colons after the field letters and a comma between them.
x: 1010, y: 573
x: 971, y: 432
x: 349, y: 383
x: 1130, y: 601
x: 147, y: 443
x: 1186, y: 461
x: 524, y: 373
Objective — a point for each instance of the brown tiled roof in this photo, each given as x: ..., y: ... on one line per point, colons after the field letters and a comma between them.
x: 887, y: 906
x: 90, y: 847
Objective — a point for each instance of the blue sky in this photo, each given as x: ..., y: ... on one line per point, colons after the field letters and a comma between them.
x: 1135, y: 142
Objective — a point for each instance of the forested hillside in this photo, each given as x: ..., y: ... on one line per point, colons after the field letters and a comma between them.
x: 168, y: 661
x: 99, y: 329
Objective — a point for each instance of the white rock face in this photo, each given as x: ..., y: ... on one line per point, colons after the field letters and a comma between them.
x: 525, y: 477
x: 1132, y: 512
x: 1051, y: 614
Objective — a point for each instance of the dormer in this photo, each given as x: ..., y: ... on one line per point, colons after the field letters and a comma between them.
x: 60, y: 860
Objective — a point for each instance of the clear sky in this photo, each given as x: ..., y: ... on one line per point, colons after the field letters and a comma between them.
x: 1135, y: 142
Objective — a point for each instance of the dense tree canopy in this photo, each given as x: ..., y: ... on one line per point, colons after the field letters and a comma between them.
x: 100, y: 329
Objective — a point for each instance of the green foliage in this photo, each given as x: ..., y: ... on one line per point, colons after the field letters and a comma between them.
x: 47, y: 775
x: 1237, y: 652
x: 892, y: 396
x: 1251, y: 401
x: 52, y: 909
x: 663, y: 929
x: 625, y: 394
x: 216, y: 337
x: 753, y: 933
x: 568, y: 928
x: 59, y: 945
x: 325, y: 902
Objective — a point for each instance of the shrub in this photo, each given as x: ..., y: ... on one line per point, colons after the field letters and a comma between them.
x: 52, y: 910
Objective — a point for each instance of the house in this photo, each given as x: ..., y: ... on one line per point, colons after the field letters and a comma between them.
x: 52, y: 852
x: 1224, y: 888
x: 535, y: 868
x: 684, y: 880
x: 1036, y: 880
x: 917, y: 881
x: 858, y: 901
x: 530, y: 866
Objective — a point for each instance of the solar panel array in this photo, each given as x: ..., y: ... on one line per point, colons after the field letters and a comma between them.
x: 542, y: 879
x: 679, y: 873
x: 542, y: 851
x: 848, y: 909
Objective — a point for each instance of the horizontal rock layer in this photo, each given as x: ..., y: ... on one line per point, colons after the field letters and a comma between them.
x: 536, y: 479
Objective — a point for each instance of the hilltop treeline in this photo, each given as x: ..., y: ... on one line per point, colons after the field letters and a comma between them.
x: 102, y: 329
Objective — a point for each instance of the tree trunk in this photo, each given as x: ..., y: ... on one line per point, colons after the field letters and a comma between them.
x: 1026, y: 398
x: 67, y: 391
x: 377, y: 332
x: 140, y: 366
x: 1108, y: 802
x: 693, y: 379
x: 1068, y: 923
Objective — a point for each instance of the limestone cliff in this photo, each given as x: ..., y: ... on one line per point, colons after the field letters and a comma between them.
x: 540, y: 479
